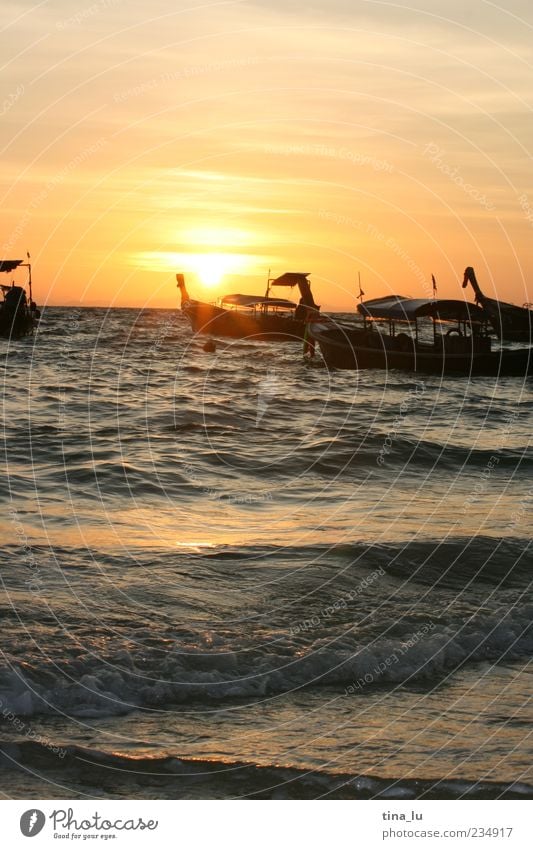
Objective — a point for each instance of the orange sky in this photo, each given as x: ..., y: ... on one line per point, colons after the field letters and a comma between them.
x: 331, y: 137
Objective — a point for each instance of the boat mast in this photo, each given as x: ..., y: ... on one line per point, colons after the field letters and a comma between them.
x: 267, y: 294
x: 28, y: 266
x: 361, y: 293
x: 434, y: 282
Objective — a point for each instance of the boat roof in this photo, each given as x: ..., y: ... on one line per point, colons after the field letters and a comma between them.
x: 8, y: 265
x: 256, y: 300
x: 398, y: 308
x: 11, y: 288
x: 290, y: 278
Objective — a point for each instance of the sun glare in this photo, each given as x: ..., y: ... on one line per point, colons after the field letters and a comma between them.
x: 210, y: 268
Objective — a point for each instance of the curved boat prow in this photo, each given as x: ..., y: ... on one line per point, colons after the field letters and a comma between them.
x: 470, y: 277
x: 306, y: 295
x: 183, y: 289
x: 293, y: 278
x: 509, y: 322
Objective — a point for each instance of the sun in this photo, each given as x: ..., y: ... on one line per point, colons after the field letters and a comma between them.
x: 210, y: 269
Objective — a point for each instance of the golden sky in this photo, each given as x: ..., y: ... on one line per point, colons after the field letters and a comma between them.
x: 223, y: 139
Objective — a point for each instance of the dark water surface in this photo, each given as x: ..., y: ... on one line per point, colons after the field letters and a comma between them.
x: 233, y: 574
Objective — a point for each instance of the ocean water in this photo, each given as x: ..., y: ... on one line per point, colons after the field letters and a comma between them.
x: 236, y: 574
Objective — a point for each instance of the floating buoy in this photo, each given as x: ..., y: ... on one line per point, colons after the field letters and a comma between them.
x: 210, y: 346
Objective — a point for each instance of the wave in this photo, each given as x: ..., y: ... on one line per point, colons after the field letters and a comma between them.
x: 456, y: 561
x: 388, y: 449
x: 89, y: 771
x: 452, y: 562
x: 198, y: 668
x: 324, y: 459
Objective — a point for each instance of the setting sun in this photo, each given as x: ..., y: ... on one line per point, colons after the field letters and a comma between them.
x: 210, y: 268
x: 209, y: 271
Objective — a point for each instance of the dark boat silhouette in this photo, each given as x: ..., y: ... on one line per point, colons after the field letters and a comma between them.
x: 18, y: 311
x: 261, y: 317
x: 510, y: 323
x: 463, y: 349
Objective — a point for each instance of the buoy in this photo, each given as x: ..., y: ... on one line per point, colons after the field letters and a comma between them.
x: 210, y: 346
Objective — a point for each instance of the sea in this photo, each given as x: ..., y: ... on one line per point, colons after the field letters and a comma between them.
x: 235, y: 574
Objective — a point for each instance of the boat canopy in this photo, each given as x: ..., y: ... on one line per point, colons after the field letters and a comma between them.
x: 256, y: 301
x: 397, y: 308
x: 8, y: 265
x: 290, y: 278
x: 6, y: 289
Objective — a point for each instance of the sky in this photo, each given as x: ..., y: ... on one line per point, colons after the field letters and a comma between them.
x: 230, y: 140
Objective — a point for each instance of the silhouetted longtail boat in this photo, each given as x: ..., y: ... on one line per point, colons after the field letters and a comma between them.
x: 18, y: 311
x: 510, y: 323
x: 464, y: 349
x: 260, y: 317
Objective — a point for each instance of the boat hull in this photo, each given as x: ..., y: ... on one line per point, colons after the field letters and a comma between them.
x: 215, y: 321
x: 359, y: 349
x: 15, y: 325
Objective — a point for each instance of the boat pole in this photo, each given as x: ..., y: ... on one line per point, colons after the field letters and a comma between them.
x: 29, y: 277
x: 267, y: 294
x: 434, y: 321
x: 361, y: 293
